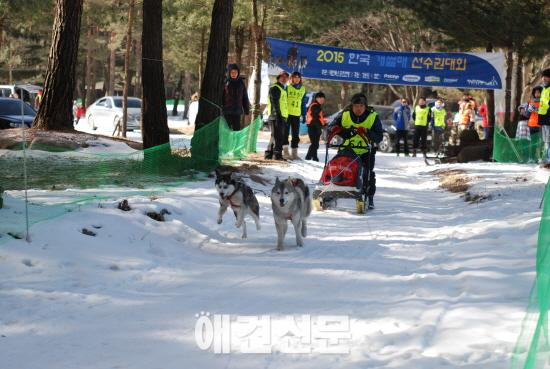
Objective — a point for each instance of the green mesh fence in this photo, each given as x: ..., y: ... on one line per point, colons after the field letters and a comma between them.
x: 516, y: 150
x: 71, y: 178
x: 533, y: 345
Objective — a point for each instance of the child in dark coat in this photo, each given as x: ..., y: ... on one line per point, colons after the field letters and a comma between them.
x: 315, y: 121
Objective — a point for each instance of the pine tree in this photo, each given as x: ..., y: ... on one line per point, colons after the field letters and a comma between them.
x: 56, y: 110
x: 154, y: 122
x: 216, y: 63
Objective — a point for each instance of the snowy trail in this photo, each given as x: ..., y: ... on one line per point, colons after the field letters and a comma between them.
x: 427, y: 280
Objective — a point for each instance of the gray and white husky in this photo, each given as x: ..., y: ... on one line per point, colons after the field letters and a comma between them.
x: 290, y: 200
x: 236, y: 194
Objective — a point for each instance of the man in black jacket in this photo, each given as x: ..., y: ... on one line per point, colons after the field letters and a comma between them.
x: 278, y: 114
x: 359, y: 126
x: 235, y: 98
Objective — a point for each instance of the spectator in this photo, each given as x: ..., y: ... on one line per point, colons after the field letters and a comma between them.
x: 421, y: 117
x: 315, y: 121
x: 483, y: 112
x: 402, y: 116
x: 278, y: 114
x: 79, y: 111
x: 473, y: 102
x: 522, y: 130
x: 38, y: 100
x: 235, y: 98
x: 532, y: 109
x: 296, y: 94
x: 467, y: 118
x: 438, y: 125
x: 462, y: 102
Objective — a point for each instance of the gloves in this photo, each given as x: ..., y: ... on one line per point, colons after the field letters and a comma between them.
x: 361, y: 131
x: 334, y: 130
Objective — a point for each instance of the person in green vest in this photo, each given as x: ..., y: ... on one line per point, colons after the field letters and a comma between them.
x: 438, y: 124
x: 296, y: 96
x: 359, y: 126
x: 278, y: 114
x: 421, y: 116
x: 544, y: 113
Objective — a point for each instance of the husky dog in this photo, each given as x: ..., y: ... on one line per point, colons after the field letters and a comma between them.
x: 240, y: 197
x: 290, y: 200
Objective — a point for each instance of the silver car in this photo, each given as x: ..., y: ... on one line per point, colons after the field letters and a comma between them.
x: 106, y: 113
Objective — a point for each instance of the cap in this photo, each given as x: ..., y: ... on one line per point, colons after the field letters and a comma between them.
x: 359, y: 98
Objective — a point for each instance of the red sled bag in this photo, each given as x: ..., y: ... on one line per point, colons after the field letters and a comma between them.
x: 343, y: 170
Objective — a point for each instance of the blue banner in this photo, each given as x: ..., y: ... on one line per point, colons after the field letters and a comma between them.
x: 459, y: 70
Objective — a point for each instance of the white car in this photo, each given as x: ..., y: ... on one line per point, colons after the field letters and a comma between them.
x: 105, y: 113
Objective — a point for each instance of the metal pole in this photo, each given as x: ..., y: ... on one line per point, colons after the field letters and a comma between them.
x: 27, y: 235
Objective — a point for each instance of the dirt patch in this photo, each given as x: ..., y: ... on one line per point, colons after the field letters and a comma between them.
x: 458, y: 181
x: 453, y: 180
x: 475, y: 198
x: 249, y: 170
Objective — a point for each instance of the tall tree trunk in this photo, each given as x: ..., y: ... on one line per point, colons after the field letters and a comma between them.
x: 239, y: 44
x: 131, y: 8
x: 344, y: 95
x: 216, y: 62
x: 250, y: 55
x: 508, y: 91
x: 10, y: 65
x: 201, y: 55
x: 258, y: 35
x: 187, y: 93
x: 90, y: 70
x: 490, y: 96
x: 177, y: 95
x: 519, y: 84
x: 137, y: 86
x: 1, y: 32
x: 56, y: 109
x: 112, y: 65
x: 154, y: 125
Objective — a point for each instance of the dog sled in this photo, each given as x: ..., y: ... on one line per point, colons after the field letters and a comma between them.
x: 345, y: 176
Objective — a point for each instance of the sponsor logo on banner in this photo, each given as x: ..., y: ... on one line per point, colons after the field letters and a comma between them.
x: 391, y: 76
x: 432, y: 79
x: 450, y: 80
x: 479, y: 82
x: 411, y: 78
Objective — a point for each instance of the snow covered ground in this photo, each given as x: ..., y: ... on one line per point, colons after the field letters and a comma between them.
x: 426, y: 280
x: 174, y: 123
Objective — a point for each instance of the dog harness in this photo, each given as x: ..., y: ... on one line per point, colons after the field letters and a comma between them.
x: 228, y: 198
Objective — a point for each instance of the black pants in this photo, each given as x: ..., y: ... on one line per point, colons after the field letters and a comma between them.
x: 420, y: 134
x: 275, y: 145
x: 314, y: 131
x: 293, y: 125
x: 438, y: 137
x: 369, y: 179
x: 401, y: 134
x: 234, y: 121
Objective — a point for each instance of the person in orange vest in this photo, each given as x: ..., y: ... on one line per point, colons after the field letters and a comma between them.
x: 315, y: 120
x: 468, y: 117
x: 533, y: 108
